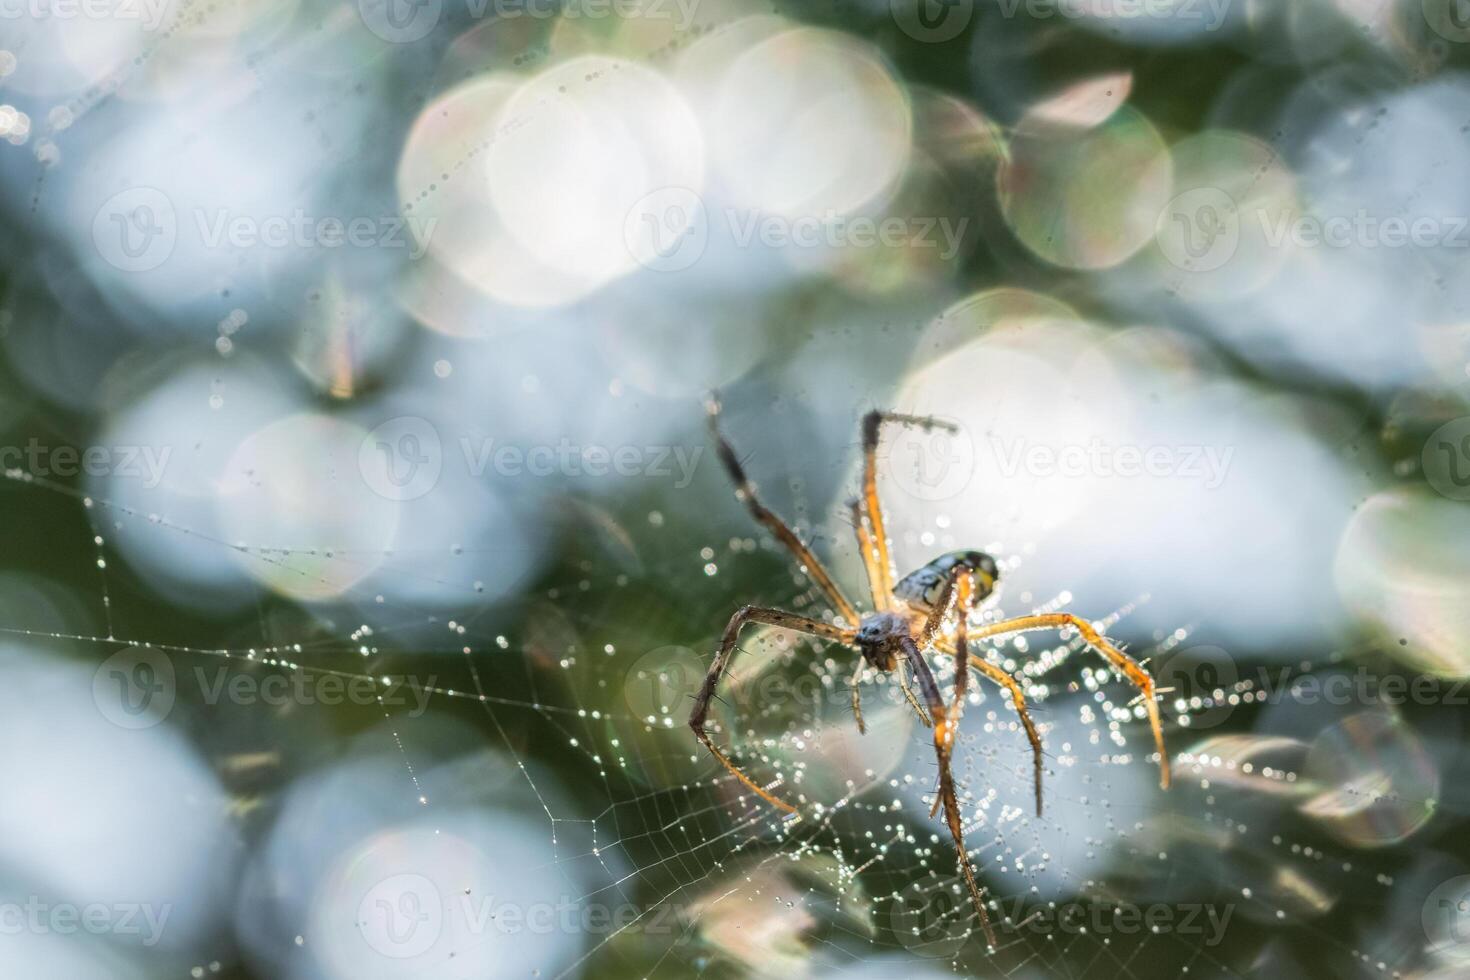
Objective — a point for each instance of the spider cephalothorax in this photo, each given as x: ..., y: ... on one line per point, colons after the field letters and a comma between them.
x: 909, y: 617
x: 880, y: 638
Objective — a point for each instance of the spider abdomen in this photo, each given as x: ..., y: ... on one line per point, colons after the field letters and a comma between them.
x: 923, y: 587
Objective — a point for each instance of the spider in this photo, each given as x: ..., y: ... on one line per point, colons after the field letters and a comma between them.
x: 908, y: 617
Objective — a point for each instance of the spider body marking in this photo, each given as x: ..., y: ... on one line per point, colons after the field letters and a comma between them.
x: 908, y: 617
x: 923, y: 588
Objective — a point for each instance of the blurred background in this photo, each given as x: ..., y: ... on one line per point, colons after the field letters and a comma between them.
x: 364, y: 545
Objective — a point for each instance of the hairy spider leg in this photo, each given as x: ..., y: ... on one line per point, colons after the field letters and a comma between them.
x: 882, y: 601
x: 770, y: 617
x: 1125, y: 664
x: 1018, y: 698
x: 960, y: 591
x: 872, y: 427
x: 903, y: 683
x: 745, y: 493
x: 944, y: 734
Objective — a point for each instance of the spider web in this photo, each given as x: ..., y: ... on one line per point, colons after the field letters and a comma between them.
x: 361, y: 844
x: 572, y: 729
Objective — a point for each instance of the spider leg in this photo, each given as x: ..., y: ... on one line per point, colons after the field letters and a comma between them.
x: 944, y: 732
x: 903, y: 682
x: 751, y: 614
x: 935, y: 620
x: 908, y: 692
x: 857, y: 699
x: 882, y: 601
x: 961, y: 590
x: 872, y: 426
x: 745, y: 493
x: 1125, y: 665
x: 1018, y: 698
